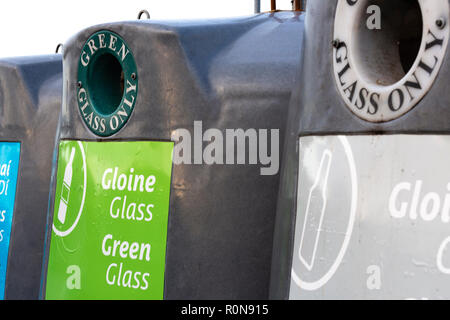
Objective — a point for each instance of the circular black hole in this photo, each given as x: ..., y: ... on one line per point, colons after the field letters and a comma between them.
x: 105, y: 83
x: 385, y: 55
x: 410, y: 36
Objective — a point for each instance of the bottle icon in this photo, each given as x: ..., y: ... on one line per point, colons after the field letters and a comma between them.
x: 314, y: 213
x: 65, y: 192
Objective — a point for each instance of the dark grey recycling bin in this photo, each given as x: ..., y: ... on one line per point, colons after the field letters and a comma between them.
x: 363, y: 205
x: 30, y: 101
x: 167, y: 174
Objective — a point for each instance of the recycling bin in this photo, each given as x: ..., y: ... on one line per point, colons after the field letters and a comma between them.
x: 30, y: 101
x: 168, y: 154
x: 363, y: 208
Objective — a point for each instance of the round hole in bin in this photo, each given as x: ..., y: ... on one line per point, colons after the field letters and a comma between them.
x: 105, y: 83
x: 385, y: 55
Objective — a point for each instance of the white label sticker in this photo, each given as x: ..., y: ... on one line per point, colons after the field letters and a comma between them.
x: 373, y: 218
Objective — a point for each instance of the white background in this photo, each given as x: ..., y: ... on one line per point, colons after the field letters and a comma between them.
x: 37, y: 26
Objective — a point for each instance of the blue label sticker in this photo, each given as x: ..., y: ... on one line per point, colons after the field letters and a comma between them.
x: 9, y: 168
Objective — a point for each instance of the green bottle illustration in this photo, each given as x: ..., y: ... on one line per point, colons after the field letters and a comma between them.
x: 65, y: 192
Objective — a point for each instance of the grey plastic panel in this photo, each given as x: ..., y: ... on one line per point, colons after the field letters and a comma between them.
x: 30, y: 103
x: 229, y: 74
x: 317, y: 109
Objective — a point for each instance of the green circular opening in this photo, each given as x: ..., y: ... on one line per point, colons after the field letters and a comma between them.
x: 105, y: 83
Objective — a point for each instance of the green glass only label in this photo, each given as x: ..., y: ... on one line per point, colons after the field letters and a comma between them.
x: 110, y: 220
x: 107, y: 83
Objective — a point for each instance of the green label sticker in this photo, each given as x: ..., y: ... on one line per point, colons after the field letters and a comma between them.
x: 110, y: 220
x: 107, y: 83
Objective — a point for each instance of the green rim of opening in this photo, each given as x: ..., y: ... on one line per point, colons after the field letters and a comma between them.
x: 107, y: 83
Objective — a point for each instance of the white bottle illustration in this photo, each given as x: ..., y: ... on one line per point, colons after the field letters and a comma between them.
x: 65, y: 192
x: 314, y: 213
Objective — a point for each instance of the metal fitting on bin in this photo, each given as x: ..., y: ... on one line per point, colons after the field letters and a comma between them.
x: 143, y: 12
